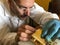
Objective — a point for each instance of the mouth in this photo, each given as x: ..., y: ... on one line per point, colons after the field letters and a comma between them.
x: 23, y: 17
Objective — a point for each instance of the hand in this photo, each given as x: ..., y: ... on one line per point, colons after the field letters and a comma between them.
x: 25, y: 32
x: 51, y: 30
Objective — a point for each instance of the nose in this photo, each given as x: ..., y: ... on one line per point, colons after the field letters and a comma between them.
x: 27, y: 12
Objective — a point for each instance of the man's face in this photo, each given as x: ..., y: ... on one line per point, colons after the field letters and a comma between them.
x: 24, y: 7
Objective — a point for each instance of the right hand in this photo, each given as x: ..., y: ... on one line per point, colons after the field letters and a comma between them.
x: 51, y: 30
x: 25, y: 32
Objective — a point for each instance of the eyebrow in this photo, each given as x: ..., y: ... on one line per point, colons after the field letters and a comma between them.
x: 21, y: 6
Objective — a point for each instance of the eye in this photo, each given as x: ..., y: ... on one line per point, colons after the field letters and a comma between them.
x: 22, y: 7
x: 32, y: 8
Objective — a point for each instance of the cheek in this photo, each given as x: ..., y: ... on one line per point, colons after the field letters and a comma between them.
x: 21, y: 12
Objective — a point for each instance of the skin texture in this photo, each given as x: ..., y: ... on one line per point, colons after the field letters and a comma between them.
x: 21, y: 8
x: 25, y: 32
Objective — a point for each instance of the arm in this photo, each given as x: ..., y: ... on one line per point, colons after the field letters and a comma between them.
x: 50, y: 24
x: 41, y: 16
x: 5, y: 34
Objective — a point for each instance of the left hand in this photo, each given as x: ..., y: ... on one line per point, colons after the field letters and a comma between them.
x: 25, y: 32
x: 51, y: 30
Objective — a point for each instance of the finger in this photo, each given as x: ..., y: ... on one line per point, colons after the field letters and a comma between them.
x: 46, y: 27
x: 23, y: 34
x: 51, y: 32
x: 29, y: 28
x: 56, y: 36
x: 28, y: 32
x: 23, y: 39
x: 20, y: 29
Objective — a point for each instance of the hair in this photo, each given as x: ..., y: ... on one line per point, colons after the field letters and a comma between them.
x: 13, y: 0
x: 12, y: 5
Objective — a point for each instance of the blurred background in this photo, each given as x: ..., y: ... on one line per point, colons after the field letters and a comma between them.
x: 50, y: 5
x: 43, y: 3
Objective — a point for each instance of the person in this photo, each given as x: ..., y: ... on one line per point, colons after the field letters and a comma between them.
x: 14, y: 14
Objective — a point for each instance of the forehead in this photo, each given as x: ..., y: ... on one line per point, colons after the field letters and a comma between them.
x: 27, y: 0
x: 23, y: 0
x: 26, y: 3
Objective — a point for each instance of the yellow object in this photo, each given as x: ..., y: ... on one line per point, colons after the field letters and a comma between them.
x: 43, y: 3
x: 37, y: 37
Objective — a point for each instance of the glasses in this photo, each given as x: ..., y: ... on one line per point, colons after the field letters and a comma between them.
x: 24, y: 8
x: 21, y: 7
